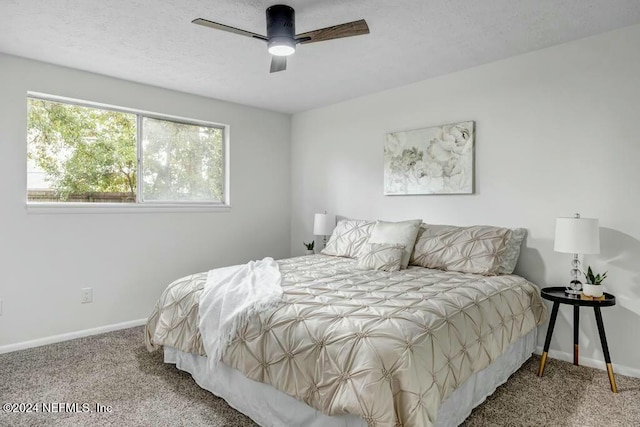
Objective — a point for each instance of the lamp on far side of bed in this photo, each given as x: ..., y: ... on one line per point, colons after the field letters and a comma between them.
x: 576, y: 236
x: 323, y: 225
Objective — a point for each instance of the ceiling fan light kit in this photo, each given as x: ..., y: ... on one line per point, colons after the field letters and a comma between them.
x: 281, y: 47
x: 281, y: 33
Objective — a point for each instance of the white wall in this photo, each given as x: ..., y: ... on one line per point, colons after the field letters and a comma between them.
x: 556, y: 133
x: 128, y: 259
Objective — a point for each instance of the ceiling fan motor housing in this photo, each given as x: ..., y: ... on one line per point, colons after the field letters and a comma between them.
x: 281, y: 28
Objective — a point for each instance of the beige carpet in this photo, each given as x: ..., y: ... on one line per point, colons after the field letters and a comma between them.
x: 115, y: 369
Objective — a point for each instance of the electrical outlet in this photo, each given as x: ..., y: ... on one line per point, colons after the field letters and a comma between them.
x: 86, y: 295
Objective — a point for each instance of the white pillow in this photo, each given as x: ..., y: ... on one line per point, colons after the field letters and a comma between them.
x: 400, y: 233
x: 454, y: 248
x: 477, y: 249
x: 380, y: 256
x: 348, y: 238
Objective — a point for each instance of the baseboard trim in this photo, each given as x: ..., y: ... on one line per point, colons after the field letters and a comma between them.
x: 592, y: 363
x: 70, y: 336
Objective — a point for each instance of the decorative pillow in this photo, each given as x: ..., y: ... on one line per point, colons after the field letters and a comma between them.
x: 478, y: 249
x: 348, y: 237
x: 380, y: 256
x: 510, y: 257
x: 400, y: 233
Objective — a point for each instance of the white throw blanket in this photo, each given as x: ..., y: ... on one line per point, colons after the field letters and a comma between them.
x: 230, y: 296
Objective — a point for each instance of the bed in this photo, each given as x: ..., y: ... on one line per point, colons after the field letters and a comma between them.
x: 348, y: 346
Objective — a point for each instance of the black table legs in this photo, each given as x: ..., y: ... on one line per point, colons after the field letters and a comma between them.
x: 547, y: 341
x: 605, y: 349
x: 576, y: 329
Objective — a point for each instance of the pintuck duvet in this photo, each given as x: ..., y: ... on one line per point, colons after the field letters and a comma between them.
x: 388, y: 347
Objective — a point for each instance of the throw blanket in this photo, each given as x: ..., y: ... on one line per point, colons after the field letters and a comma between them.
x: 230, y: 296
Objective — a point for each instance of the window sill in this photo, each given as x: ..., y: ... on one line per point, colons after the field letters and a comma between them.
x: 120, y: 208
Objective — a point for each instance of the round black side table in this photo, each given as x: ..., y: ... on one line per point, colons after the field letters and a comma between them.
x: 558, y: 296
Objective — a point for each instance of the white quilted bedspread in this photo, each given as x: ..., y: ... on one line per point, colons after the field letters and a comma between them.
x: 388, y: 347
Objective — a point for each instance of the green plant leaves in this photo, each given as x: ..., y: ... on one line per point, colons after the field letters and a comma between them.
x: 596, y: 279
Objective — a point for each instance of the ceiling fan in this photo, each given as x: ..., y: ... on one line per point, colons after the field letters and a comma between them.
x: 281, y: 35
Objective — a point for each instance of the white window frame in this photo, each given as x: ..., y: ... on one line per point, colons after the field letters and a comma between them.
x: 140, y: 205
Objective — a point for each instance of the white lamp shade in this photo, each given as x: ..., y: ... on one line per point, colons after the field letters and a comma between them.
x: 577, y: 236
x: 323, y: 224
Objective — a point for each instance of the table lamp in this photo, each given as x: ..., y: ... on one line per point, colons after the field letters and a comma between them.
x: 576, y: 236
x: 323, y: 225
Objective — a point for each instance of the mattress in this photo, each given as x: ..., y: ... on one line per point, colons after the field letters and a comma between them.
x: 386, y: 347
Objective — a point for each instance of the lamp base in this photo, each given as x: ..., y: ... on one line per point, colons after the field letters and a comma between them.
x: 575, y: 286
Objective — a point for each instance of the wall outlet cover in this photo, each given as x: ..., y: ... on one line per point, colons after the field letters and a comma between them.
x: 86, y: 295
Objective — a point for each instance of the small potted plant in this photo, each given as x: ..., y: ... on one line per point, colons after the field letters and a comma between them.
x: 309, y: 247
x: 593, y: 287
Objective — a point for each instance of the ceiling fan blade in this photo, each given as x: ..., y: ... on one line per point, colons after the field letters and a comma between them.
x: 278, y: 63
x: 217, y: 26
x: 355, y: 28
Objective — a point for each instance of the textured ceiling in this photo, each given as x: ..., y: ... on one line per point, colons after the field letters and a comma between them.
x: 154, y: 42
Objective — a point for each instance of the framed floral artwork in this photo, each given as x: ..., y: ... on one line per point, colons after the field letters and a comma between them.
x: 433, y: 160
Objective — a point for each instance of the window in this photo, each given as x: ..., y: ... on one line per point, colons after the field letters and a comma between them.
x: 81, y: 153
